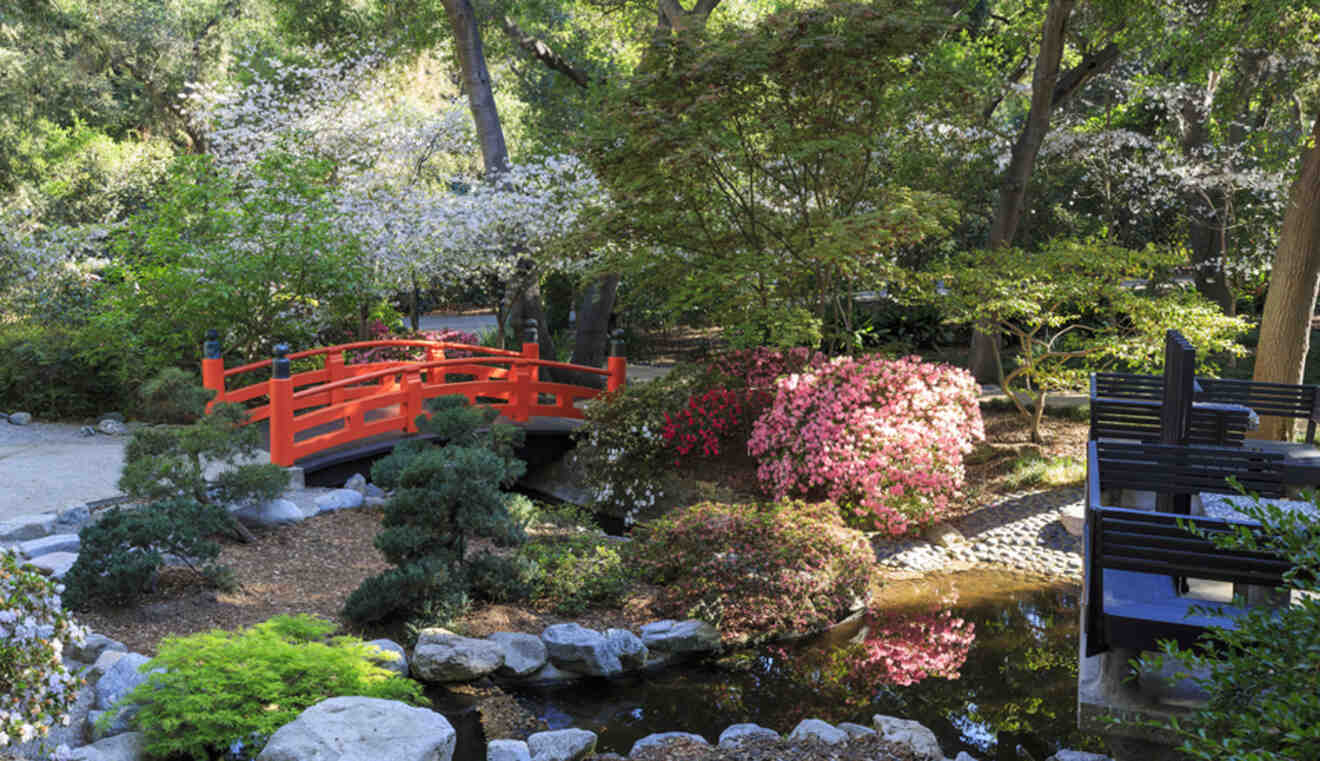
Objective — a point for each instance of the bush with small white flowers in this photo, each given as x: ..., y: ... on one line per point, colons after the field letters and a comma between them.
x: 36, y: 689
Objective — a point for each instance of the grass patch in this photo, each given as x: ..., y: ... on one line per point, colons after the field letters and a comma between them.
x: 1032, y: 470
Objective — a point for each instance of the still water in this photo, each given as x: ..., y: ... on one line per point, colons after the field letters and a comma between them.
x: 981, y: 658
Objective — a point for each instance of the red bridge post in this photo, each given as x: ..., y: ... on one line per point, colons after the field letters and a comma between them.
x: 281, y: 409
x: 213, y: 368
x: 617, y: 364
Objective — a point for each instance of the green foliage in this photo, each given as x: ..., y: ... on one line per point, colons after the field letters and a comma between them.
x: 206, y: 691
x: 577, y: 572
x: 264, y: 265
x: 1071, y: 308
x: 753, y: 197
x: 621, y: 450
x: 174, y: 396
x: 121, y: 552
x: 443, y: 497
x: 1033, y: 470
x: 503, y: 578
x: 756, y: 569
x: 44, y: 374
x: 1263, y: 677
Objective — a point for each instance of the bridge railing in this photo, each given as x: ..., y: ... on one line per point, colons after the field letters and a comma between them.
x: 338, y: 397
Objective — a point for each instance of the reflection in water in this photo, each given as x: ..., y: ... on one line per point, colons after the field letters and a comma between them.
x: 1000, y: 662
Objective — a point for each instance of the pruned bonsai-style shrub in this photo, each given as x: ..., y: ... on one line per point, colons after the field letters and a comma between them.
x: 444, y: 496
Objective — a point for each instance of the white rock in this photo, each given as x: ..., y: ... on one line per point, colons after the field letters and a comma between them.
x: 362, y: 729
x: 120, y: 679
x: 820, y: 731
x: 965, y: 756
x: 72, y: 518
x: 358, y: 483
x: 19, y: 418
x: 735, y: 734
x: 54, y: 543
x: 339, y: 499
x: 573, y: 647
x: 112, y: 427
x: 910, y: 733
x: 391, y: 655
x: 508, y: 750
x: 663, y: 738
x: 524, y: 654
x: 91, y: 648
x: 628, y: 646
x: 55, y: 564
x: 121, y: 747
x: 680, y: 636
x: 1076, y: 755
x: 276, y: 512
x: 561, y: 744
x: 103, y: 662
x: 24, y: 527
x: 856, y: 730
x: 442, y: 657
x: 1073, y: 518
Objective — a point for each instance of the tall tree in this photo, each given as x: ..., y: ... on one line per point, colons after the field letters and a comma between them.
x: 1285, y: 327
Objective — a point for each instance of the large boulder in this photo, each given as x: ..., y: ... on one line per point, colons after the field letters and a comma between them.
x: 680, y: 636
x: 664, y: 738
x: 91, y: 648
x: 55, y: 564
x: 561, y: 744
x: 23, y: 527
x: 121, y: 747
x: 275, y: 512
x: 820, y: 731
x: 632, y: 653
x: 573, y: 647
x: 120, y: 679
x: 910, y: 733
x: 33, y: 548
x: 362, y: 729
x: 524, y: 654
x: 856, y: 731
x: 442, y: 656
x: 339, y: 499
x: 736, y: 734
x: 508, y: 750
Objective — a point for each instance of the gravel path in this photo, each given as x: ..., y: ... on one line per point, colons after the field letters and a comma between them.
x: 48, y: 466
x: 1020, y: 531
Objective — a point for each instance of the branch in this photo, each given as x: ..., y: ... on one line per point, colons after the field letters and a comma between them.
x: 1092, y: 64
x: 542, y: 52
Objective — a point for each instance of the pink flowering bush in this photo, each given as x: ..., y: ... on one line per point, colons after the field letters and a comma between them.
x: 711, y: 417
x: 759, y: 368
x: 379, y: 331
x: 884, y: 438
x: 756, y: 570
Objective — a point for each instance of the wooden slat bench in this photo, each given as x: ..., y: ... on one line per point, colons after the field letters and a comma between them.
x: 1127, y: 406
x: 1134, y: 557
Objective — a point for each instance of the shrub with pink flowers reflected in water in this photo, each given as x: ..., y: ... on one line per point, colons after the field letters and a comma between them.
x: 883, y: 437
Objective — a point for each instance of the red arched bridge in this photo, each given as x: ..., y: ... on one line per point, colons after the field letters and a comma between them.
x: 338, y: 401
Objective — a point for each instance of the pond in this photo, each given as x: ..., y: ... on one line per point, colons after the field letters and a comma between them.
x: 1010, y: 644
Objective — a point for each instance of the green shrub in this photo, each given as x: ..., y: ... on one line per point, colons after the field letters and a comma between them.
x: 174, y: 396
x: 577, y: 572
x: 756, y: 569
x: 502, y: 578
x: 221, y: 691
x: 44, y: 374
x: 1262, y: 678
x: 443, y: 497
x: 121, y: 553
x: 1034, y: 470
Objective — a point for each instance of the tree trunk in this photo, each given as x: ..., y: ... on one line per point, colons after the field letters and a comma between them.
x: 1285, y: 326
x: 476, y: 80
x: 983, y: 359
x: 592, y: 335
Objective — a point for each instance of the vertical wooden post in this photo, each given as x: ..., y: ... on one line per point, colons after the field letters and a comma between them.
x: 412, y: 407
x: 213, y: 368
x: 334, y: 365
x: 281, y: 409
x: 617, y: 364
x: 1176, y: 407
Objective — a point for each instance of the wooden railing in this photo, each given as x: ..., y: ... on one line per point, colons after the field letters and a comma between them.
x: 337, y: 396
